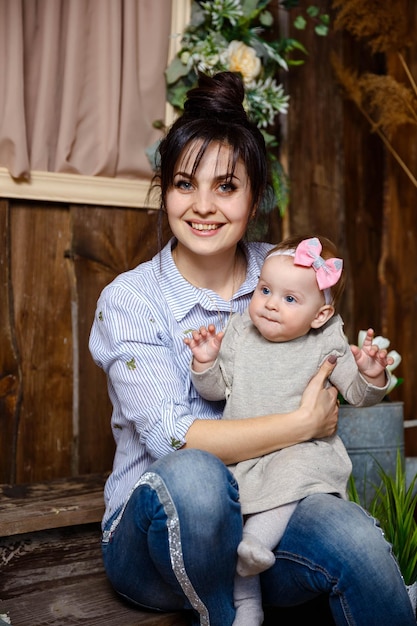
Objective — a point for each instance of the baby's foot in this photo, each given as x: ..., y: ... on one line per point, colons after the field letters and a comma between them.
x: 253, y: 557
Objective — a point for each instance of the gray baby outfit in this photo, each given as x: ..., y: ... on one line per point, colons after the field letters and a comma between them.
x: 258, y: 377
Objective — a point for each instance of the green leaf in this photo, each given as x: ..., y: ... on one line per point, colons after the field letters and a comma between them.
x: 175, y: 70
x: 290, y: 4
x: 249, y: 6
x: 313, y: 11
x: 266, y: 18
x: 321, y: 30
x: 153, y: 155
x: 394, y: 505
x: 281, y: 186
x: 300, y: 22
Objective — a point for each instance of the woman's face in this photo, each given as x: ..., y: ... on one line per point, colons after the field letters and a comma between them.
x: 208, y: 212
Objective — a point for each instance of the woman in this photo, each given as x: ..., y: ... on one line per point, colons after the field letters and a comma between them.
x: 172, y: 522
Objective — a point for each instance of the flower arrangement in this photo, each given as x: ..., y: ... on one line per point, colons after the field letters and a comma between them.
x: 227, y: 35
x: 236, y: 35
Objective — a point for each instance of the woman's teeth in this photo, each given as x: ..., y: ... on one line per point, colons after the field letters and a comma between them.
x: 204, y: 226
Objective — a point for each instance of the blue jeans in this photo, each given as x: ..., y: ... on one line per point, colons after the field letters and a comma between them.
x: 173, y: 547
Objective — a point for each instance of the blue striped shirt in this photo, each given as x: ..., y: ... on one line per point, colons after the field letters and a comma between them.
x: 137, y: 338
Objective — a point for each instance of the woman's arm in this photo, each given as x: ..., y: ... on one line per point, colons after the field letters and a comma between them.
x: 147, y: 366
x: 237, y: 440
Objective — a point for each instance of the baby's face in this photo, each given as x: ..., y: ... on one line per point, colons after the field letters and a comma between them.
x: 287, y: 301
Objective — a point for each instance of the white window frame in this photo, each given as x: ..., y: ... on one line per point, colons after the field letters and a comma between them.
x: 96, y: 190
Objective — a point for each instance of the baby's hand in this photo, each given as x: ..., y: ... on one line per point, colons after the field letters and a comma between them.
x: 205, y: 343
x: 371, y: 360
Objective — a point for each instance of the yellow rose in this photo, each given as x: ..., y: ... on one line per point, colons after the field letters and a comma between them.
x: 243, y: 59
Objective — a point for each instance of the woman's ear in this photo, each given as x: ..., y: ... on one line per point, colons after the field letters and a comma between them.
x: 324, y: 313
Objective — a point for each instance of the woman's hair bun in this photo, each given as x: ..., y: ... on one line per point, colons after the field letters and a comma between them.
x: 219, y: 96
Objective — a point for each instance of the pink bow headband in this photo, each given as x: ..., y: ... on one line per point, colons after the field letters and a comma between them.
x: 327, y: 271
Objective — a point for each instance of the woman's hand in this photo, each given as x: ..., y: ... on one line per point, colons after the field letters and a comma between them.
x: 320, y: 401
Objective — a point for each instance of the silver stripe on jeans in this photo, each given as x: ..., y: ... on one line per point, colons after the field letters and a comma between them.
x: 174, y: 540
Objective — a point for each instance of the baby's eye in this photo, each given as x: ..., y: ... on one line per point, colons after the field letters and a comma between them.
x: 290, y: 299
x: 265, y: 291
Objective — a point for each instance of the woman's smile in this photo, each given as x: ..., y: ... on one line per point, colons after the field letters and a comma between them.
x: 204, y: 226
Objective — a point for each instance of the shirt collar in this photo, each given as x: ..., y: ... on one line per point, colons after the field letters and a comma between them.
x: 181, y: 296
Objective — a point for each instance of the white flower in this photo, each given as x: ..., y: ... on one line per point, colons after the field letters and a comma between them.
x: 243, y: 59
x: 219, y: 10
x: 383, y: 344
x: 397, y: 360
x: 264, y: 98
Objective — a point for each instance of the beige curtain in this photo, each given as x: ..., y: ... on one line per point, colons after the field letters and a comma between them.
x: 81, y: 82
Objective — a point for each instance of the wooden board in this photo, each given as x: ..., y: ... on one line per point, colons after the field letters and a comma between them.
x: 10, y: 375
x: 39, y: 237
x: 59, y: 503
x: 89, y: 601
x: 56, y: 578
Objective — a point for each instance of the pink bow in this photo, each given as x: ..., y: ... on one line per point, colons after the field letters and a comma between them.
x: 328, y: 271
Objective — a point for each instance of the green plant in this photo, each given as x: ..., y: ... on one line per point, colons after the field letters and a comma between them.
x: 394, y: 506
x: 238, y: 35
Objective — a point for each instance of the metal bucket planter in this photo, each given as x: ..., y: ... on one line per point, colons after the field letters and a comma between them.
x: 372, y: 435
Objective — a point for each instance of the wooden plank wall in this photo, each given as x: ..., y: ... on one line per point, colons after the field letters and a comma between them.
x: 56, y: 258
x: 54, y: 262
x: 398, y: 263
x: 346, y: 186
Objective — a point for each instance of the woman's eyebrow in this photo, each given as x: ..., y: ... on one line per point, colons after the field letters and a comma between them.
x: 228, y: 176
x: 183, y: 174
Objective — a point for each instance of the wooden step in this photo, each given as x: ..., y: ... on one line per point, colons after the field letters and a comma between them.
x: 51, y: 570
x: 56, y: 578
x: 55, y: 504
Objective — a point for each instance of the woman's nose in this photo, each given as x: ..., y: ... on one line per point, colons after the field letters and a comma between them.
x: 204, y: 204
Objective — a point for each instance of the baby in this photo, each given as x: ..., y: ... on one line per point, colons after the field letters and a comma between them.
x: 260, y: 365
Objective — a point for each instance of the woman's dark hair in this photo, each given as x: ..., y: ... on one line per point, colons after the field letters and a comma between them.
x: 213, y: 112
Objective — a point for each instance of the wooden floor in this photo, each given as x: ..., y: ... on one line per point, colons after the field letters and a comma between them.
x: 56, y: 578
x: 51, y: 570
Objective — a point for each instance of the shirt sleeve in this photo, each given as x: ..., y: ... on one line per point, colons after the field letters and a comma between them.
x: 133, y: 345
x: 210, y: 384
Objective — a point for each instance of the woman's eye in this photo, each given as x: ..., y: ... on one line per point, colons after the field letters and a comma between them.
x: 183, y: 184
x: 227, y: 187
